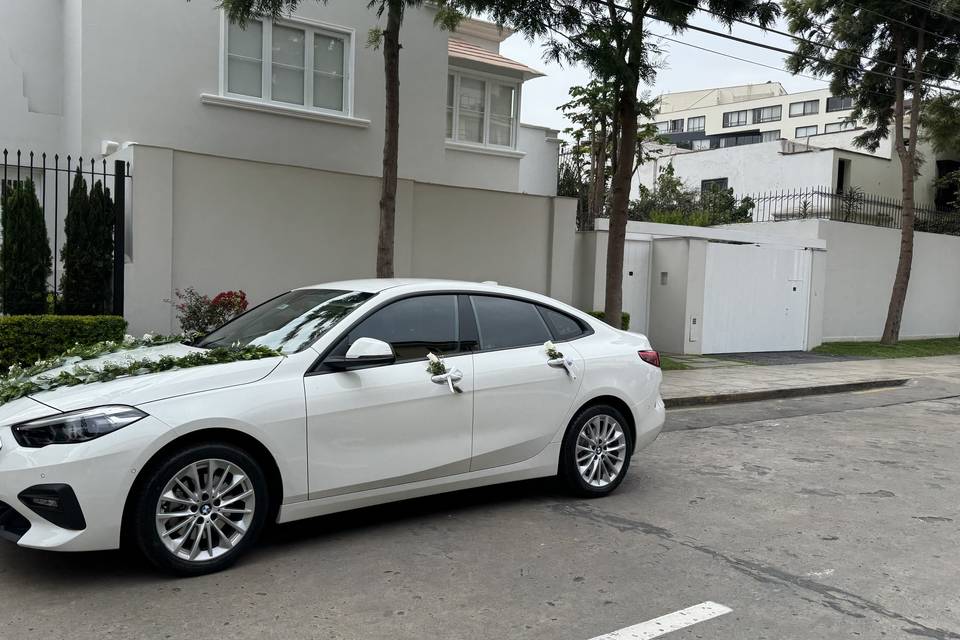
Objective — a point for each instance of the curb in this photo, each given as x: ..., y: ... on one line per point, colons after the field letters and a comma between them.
x: 773, y: 394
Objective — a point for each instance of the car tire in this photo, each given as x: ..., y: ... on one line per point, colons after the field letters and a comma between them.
x: 596, y: 450
x: 200, y: 509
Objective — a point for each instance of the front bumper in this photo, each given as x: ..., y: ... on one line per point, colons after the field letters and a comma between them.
x: 100, y: 474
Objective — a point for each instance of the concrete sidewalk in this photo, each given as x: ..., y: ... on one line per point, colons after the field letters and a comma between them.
x: 697, y: 387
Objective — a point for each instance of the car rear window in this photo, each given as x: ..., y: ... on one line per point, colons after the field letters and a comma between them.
x: 506, y: 323
x: 563, y: 326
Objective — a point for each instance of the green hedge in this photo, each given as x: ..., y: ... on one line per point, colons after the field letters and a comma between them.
x: 26, y: 339
x: 599, y: 315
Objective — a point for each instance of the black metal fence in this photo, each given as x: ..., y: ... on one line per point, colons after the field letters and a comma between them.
x: 850, y: 206
x: 52, y: 178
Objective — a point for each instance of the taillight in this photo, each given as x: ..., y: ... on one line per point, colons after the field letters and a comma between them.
x: 650, y: 357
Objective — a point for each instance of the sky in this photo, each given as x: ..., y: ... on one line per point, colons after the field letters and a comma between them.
x: 685, y: 69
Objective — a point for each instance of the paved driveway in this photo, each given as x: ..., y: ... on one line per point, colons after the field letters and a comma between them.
x: 843, y: 522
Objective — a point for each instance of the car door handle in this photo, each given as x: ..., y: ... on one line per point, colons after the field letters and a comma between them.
x: 564, y: 363
x: 450, y: 378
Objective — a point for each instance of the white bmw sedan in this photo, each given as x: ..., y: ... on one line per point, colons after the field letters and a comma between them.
x: 385, y: 390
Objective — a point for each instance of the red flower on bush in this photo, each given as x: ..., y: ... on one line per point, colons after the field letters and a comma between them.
x: 198, y: 314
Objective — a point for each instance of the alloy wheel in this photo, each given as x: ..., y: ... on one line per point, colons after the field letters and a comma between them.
x: 205, y: 510
x: 601, y: 450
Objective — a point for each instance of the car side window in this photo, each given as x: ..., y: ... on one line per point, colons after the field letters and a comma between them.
x: 563, y: 326
x: 505, y: 323
x: 412, y: 326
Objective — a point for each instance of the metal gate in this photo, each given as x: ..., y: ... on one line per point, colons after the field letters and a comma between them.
x: 756, y: 298
x: 52, y: 177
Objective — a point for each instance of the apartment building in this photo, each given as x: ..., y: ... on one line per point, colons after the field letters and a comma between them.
x: 748, y: 114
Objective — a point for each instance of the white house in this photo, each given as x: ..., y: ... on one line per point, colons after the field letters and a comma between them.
x: 305, y: 91
x: 256, y: 153
x: 758, y: 138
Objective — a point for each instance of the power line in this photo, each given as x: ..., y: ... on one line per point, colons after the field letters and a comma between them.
x: 788, y: 52
x: 895, y: 20
x: 799, y: 38
x: 929, y: 7
x: 771, y: 47
x: 754, y: 62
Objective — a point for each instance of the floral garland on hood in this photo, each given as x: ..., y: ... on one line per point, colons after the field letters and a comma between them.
x: 21, y: 381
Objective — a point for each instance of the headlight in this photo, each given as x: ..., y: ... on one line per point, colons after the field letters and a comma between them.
x: 75, y: 426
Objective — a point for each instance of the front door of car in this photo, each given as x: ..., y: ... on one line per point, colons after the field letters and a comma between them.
x: 391, y: 424
x: 520, y: 401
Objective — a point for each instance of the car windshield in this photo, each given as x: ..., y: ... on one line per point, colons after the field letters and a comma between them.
x: 290, y: 322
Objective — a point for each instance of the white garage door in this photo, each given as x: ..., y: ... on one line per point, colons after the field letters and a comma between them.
x: 755, y: 298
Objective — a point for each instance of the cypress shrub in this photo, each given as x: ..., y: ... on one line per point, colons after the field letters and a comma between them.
x: 26, y: 339
x: 25, y: 257
x: 88, y: 249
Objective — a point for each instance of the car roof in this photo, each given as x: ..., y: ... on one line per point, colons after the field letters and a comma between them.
x: 397, y: 287
x: 412, y: 285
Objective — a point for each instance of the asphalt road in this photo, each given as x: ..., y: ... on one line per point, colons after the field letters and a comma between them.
x: 829, y: 517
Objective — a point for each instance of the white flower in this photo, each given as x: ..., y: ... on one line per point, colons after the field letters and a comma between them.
x: 147, y: 336
x: 549, y: 346
x: 127, y: 339
x: 432, y: 357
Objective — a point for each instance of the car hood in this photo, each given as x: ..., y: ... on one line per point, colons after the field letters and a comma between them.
x: 135, y: 390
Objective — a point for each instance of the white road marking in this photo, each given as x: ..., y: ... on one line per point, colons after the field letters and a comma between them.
x: 668, y: 623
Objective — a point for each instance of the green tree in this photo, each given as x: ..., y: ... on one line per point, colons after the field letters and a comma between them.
x: 611, y: 39
x: 87, y: 253
x: 25, y: 257
x: 240, y: 11
x: 941, y: 128
x: 890, y: 57
x: 591, y: 109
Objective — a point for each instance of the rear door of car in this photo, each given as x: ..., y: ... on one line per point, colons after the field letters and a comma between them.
x: 520, y: 401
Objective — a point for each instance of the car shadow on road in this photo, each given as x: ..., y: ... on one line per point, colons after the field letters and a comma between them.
x: 459, y: 502
x: 127, y: 567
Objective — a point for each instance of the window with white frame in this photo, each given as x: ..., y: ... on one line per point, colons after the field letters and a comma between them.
x: 833, y: 127
x: 697, y: 123
x: 769, y: 136
x: 289, y: 62
x: 663, y: 127
x: 803, y: 132
x: 700, y: 145
x: 805, y: 108
x: 482, y: 109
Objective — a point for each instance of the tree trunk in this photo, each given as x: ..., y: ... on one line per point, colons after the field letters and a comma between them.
x: 388, y: 183
x: 616, y: 237
x: 598, y: 176
x: 907, y: 155
x: 625, y: 149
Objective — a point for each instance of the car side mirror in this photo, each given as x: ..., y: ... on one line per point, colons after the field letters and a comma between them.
x: 364, y: 352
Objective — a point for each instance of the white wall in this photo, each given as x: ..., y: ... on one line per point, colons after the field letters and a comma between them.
x: 538, y: 168
x: 216, y: 224
x: 31, y: 75
x: 861, y: 262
